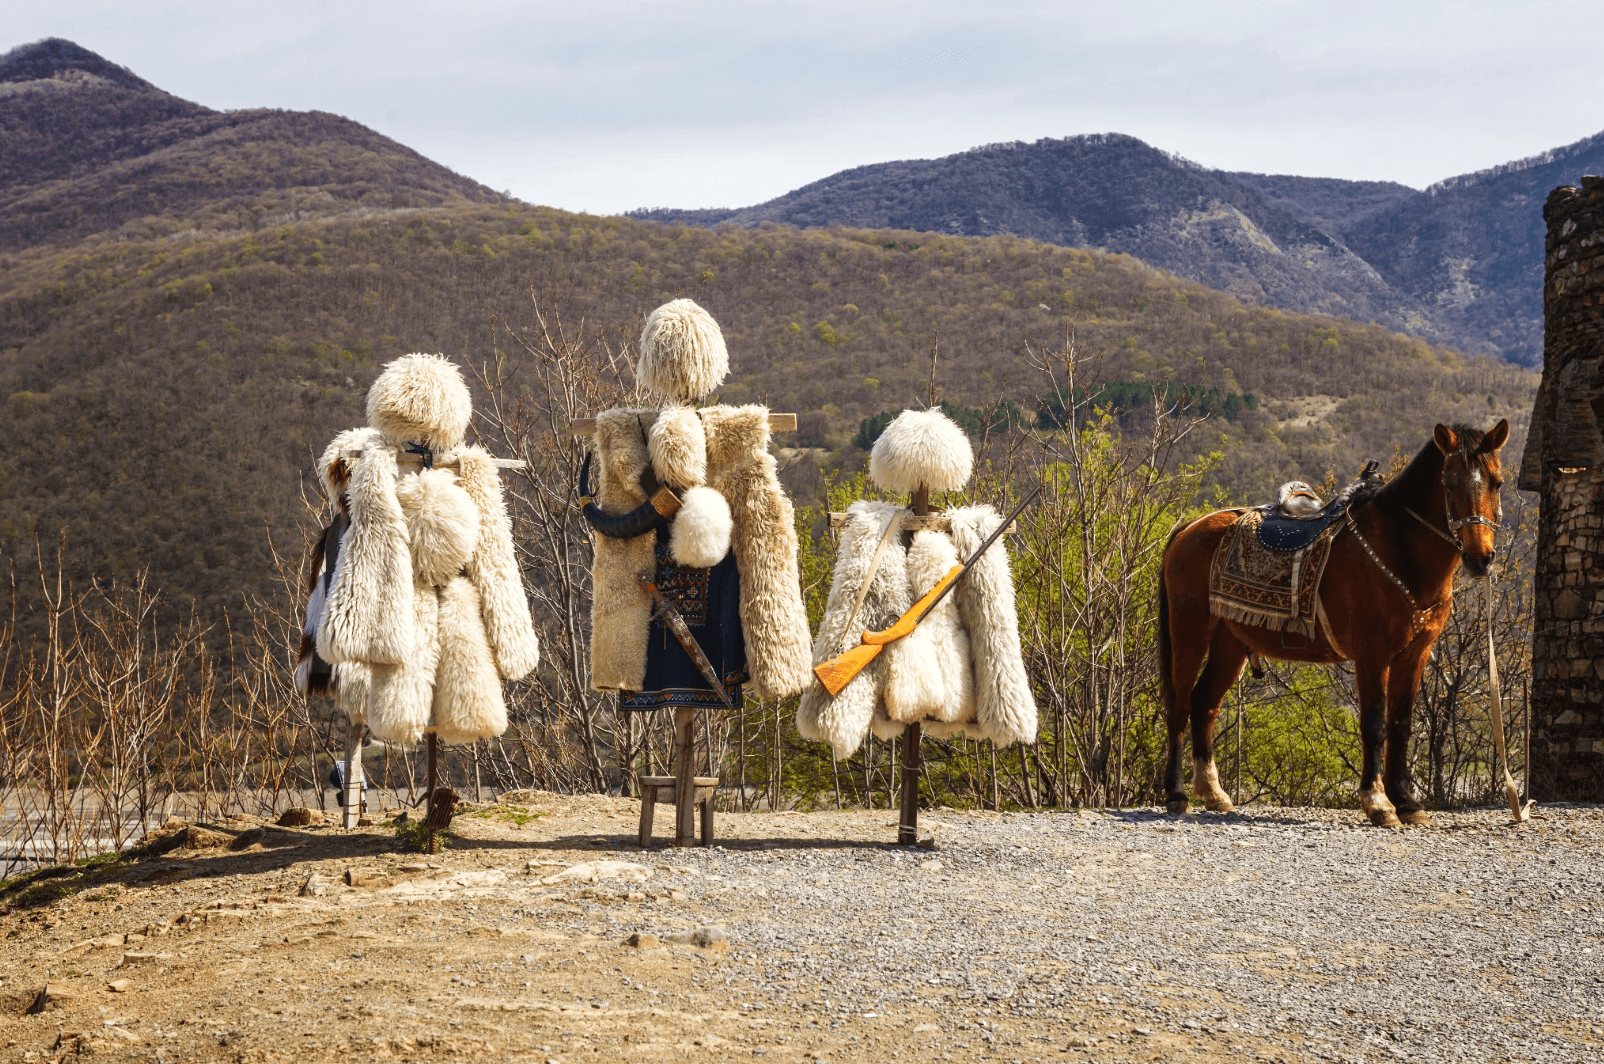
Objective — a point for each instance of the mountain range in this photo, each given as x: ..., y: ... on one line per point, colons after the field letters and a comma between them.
x: 1460, y: 263
x: 193, y: 302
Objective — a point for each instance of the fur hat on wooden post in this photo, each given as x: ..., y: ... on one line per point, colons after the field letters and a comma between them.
x: 682, y: 353
x: 421, y: 399
x: 921, y: 447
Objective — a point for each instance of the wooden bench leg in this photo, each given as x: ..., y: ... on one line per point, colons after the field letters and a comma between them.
x: 648, y: 804
x: 707, y: 820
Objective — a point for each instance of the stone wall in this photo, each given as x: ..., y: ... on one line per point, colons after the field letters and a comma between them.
x: 1564, y: 461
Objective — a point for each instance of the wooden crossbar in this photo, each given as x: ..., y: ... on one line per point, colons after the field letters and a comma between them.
x: 586, y: 426
x: 447, y: 461
x: 937, y: 522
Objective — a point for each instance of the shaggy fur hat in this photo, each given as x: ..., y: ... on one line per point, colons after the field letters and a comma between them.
x: 421, y: 399
x: 921, y: 447
x: 682, y: 354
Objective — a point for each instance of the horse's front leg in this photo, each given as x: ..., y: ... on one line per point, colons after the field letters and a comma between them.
x: 1371, y: 681
x: 1403, y: 683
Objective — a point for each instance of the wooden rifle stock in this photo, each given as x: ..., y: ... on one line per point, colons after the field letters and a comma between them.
x: 839, y: 671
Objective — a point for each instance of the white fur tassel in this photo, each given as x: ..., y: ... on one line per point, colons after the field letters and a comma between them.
x: 700, y: 535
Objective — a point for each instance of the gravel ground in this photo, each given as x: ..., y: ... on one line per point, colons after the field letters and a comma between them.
x: 1274, y: 934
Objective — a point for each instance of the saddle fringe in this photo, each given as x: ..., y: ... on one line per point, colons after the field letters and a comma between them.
x: 1275, y: 621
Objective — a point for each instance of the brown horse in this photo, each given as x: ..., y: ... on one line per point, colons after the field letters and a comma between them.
x: 1386, y: 591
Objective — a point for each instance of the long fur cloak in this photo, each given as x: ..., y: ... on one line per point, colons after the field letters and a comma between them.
x: 426, y: 614
x: 961, y: 672
x: 718, y: 458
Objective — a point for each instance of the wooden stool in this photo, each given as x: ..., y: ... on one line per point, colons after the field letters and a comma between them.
x: 655, y: 790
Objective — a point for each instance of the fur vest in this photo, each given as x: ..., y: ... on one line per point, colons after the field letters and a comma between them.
x: 961, y: 672
x: 426, y: 613
x: 718, y: 458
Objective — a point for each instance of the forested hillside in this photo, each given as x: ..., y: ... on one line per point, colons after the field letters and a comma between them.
x: 88, y: 147
x: 169, y: 364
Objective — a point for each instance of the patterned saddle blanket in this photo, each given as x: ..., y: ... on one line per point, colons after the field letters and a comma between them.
x: 1267, y: 569
x: 1268, y: 587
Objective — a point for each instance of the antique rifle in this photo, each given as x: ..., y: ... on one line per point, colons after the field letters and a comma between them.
x: 836, y: 673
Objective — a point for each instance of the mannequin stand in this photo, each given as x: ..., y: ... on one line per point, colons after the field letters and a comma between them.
x: 689, y: 791
x: 908, y: 821
x: 351, y: 798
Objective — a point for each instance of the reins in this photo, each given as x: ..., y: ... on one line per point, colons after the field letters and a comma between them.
x: 1511, y: 791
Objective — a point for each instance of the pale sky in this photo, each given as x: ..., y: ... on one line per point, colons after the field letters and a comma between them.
x: 607, y: 106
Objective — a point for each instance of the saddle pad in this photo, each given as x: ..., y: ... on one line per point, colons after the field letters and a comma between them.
x: 1277, y: 589
x: 1279, y: 532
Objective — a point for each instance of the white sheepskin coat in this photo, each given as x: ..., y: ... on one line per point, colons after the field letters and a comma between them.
x: 961, y: 672
x: 717, y: 460
x: 427, y: 613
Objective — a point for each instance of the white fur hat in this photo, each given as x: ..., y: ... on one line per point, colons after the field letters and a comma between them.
x: 682, y: 353
x: 421, y: 399
x: 921, y: 447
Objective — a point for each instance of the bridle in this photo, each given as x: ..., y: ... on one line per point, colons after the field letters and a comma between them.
x: 1455, y: 524
x: 1423, y: 613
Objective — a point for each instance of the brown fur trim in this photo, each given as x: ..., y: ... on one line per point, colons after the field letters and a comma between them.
x: 621, y: 611
x: 773, y: 617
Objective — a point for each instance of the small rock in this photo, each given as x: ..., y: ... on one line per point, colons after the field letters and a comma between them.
x: 714, y: 938
x: 246, y: 839
x: 635, y: 895
x: 53, y: 996
x: 315, y: 885
x: 199, y: 838
x: 365, y: 878
x: 300, y: 817
x: 124, y: 1034
x: 364, y: 822
x: 1144, y: 1031
x: 643, y: 940
x: 120, y: 986
x: 676, y: 895
x: 413, y: 866
x: 132, y: 959
x: 930, y: 866
x: 109, y: 942
x: 594, y: 871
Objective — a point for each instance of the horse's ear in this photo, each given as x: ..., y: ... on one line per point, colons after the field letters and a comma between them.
x: 1496, y: 436
x: 1446, y: 438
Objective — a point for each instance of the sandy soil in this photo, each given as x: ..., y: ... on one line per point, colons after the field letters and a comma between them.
x: 825, y: 943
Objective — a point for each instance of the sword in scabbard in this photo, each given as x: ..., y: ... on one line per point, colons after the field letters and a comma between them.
x: 682, y: 632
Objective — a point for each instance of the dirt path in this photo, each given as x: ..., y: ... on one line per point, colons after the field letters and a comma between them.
x: 1279, y: 935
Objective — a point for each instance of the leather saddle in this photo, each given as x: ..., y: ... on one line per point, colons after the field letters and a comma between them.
x: 1297, y: 517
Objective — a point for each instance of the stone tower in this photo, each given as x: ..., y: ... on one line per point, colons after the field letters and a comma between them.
x: 1564, y: 461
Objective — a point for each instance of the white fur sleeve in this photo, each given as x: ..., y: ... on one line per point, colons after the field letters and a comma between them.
x: 369, y: 614
x: 844, y: 720
x: 493, y: 569
x: 1005, y: 708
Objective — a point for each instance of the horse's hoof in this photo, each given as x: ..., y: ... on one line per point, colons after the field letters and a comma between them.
x: 1220, y: 805
x: 1177, y: 806
x: 1417, y: 817
x: 1385, y: 818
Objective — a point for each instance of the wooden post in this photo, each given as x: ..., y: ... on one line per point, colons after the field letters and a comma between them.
x: 352, y: 798
x: 434, y: 743
x: 908, y: 821
x: 684, y: 776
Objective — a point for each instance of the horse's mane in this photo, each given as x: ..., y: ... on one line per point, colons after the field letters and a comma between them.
x: 1427, y: 463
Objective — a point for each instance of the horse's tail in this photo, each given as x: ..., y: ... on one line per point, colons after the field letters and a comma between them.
x: 1166, y: 653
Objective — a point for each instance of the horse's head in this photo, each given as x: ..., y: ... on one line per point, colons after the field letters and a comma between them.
x: 1471, y: 477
